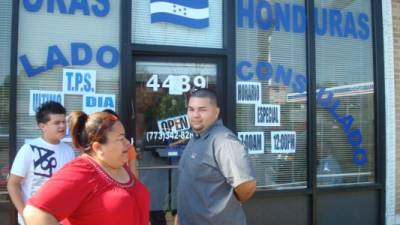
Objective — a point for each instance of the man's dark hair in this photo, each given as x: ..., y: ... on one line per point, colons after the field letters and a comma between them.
x: 47, y: 108
x: 205, y: 93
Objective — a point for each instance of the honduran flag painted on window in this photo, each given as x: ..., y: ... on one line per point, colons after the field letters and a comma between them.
x: 189, y: 13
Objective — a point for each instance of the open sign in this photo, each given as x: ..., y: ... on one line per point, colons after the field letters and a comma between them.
x: 174, y: 124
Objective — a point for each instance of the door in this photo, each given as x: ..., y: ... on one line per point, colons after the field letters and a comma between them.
x: 162, y: 88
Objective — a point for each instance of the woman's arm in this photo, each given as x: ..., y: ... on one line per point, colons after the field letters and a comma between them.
x: 36, y: 216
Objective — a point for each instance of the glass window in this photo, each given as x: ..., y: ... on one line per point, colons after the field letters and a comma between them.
x: 162, y: 90
x: 162, y: 126
x: 180, y: 23
x: 5, y: 43
x: 83, y: 36
x: 271, y: 89
x: 345, y: 93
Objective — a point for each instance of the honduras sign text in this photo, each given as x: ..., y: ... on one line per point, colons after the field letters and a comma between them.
x: 75, y: 53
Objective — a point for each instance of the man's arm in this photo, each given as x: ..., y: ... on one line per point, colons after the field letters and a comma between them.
x: 245, y: 190
x: 15, y: 192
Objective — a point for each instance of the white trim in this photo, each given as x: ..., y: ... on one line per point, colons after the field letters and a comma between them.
x: 389, y: 112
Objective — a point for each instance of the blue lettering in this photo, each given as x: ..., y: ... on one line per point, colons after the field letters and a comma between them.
x: 81, y: 5
x: 355, y: 137
x: 242, y: 13
x: 282, y: 17
x: 30, y: 71
x: 293, y: 18
x: 324, y: 102
x: 350, y: 27
x: 299, y: 19
x: 301, y: 83
x: 335, y: 21
x: 90, y: 101
x: 347, y: 122
x: 78, y: 80
x: 54, y: 57
x: 100, y: 9
x: 105, y: 8
x: 69, y: 80
x: 333, y: 109
x: 61, y: 6
x: 114, y: 56
x: 280, y: 73
x: 87, y: 86
x: 39, y: 98
x: 363, y: 24
x: 360, y: 157
x: 264, y: 70
x: 321, y: 29
x: 264, y: 8
x: 108, y: 102
x: 76, y: 48
x: 239, y: 71
x: 32, y: 7
x: 81, y: 54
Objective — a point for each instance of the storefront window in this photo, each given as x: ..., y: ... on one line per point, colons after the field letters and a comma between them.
x: 68, y: 51
x: 345, y: 93
x: 270, y: 73
x: 5, y: 43
x: 162, y: 126
x: 179, y: 23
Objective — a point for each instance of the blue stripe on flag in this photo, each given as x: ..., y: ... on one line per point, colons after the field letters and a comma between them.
x: 171, y: 18
x: 195, y: 4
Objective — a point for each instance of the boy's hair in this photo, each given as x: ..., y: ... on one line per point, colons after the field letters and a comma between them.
x: 205, y: 93
x: 47, y: 108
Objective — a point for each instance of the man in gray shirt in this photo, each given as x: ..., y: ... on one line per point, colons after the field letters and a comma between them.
x: 216, y: 175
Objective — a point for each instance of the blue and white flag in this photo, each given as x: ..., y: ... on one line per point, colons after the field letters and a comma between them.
x: 190, y: 13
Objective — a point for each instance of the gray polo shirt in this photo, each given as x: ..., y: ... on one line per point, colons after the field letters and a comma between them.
x: 212, y: 165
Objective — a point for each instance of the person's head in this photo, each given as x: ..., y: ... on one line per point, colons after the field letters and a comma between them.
x: 100, y: 135
x: 50, y: 118
x: 202, y: 110
x: 111, y: 112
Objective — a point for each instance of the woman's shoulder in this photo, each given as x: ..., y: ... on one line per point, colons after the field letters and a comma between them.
x: 78, y: 169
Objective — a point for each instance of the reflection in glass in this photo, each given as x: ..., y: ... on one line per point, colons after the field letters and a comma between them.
x: 274, y: 58
x: 345, y: 96
x: 5, y: 43
x: 162, y: 128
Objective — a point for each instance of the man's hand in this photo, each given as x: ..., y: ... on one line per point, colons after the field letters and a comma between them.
x: 176, y: 222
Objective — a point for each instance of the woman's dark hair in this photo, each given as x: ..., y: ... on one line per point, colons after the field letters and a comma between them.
x: 47, y: 108
x: 87, y: 129
x: 111, y: 112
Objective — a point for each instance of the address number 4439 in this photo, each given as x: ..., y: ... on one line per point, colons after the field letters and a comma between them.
x: 182, y: 80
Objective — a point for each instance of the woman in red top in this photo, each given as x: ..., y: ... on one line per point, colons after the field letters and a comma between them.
x: 97, y: 187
